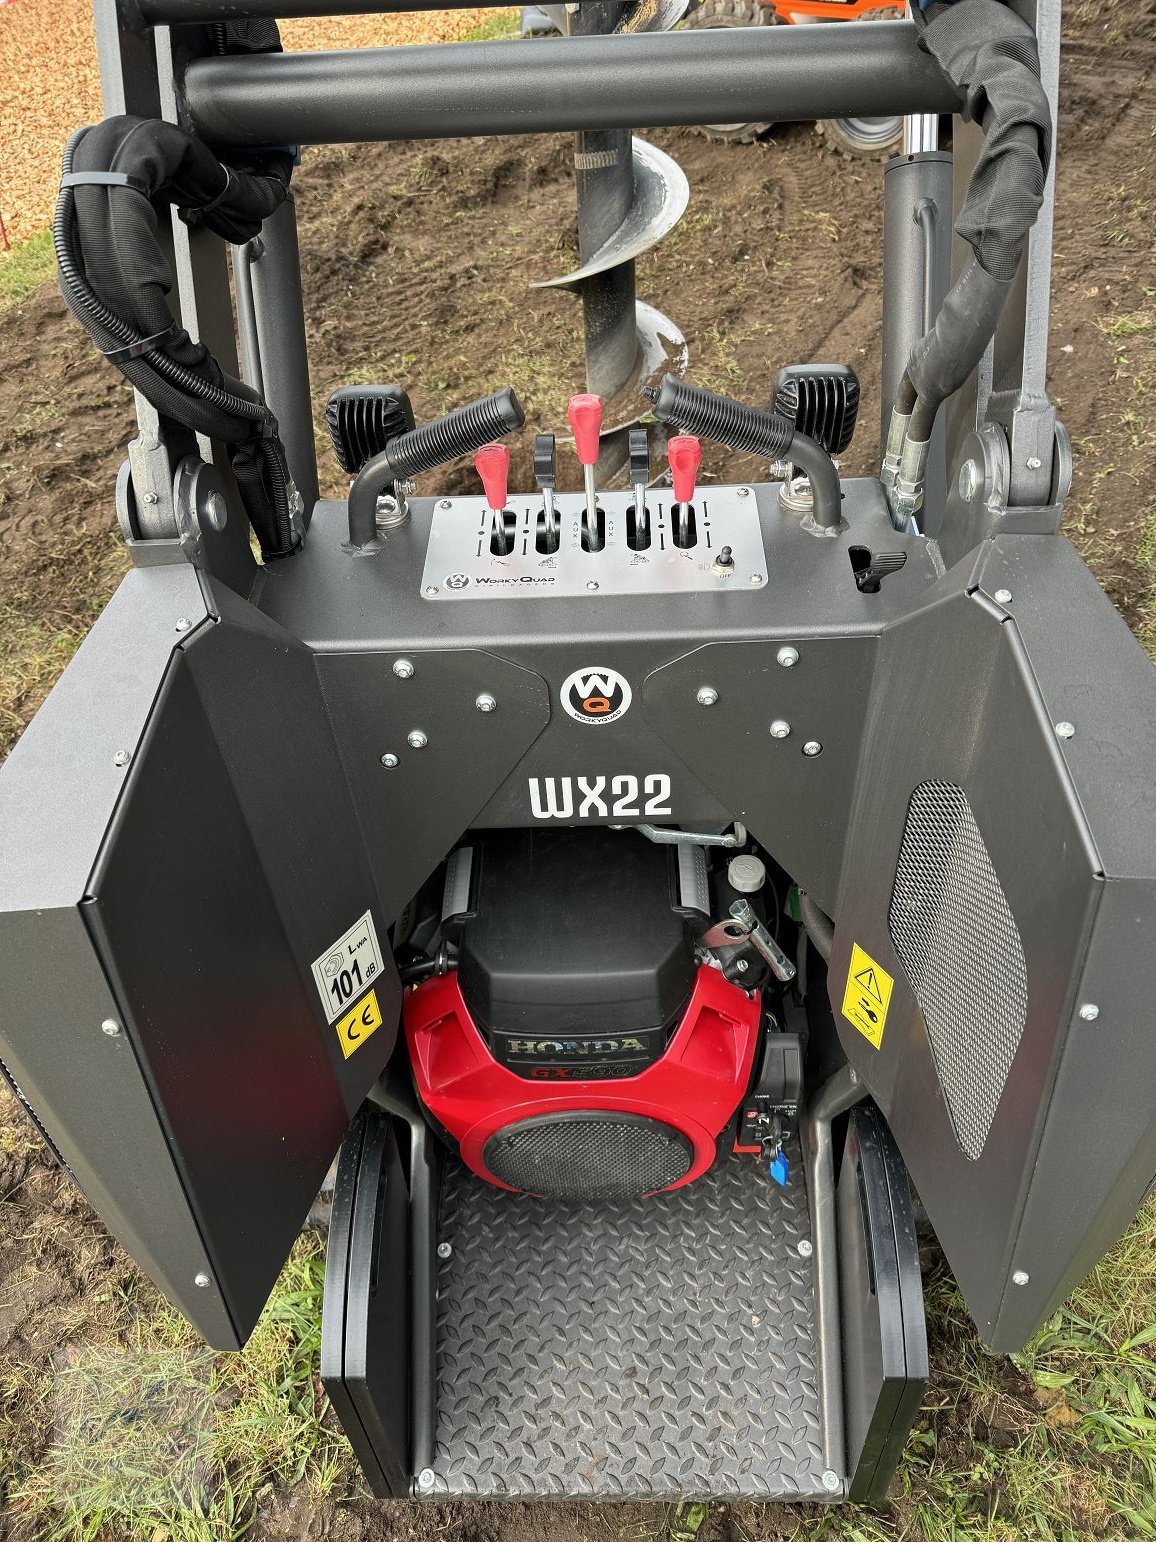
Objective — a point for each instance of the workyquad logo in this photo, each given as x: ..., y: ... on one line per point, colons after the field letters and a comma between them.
x: 596, y: 695
x: 458, y: 581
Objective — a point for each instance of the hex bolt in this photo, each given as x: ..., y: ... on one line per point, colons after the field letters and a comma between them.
x: 830, y: 1480
x: 707, y: 696
x: 812, y: 748
x: 741, y: 966
x: 122, y: 757
x: 788, y: 657
x: 486, y: 703
x: 1089, y: 1012
x: 389, y: 760
x: 216, y: 511
x: 444, y: 503
x: 403, y: 669
x: 426, y: 1479
x: 416, y: 739
x: 445, y: 1249
x: 1020, y: 1277
x: 202, y: 1280
x: 805, y: 1249
x: 149, y: 498
x: 183, y: 623
x: 1034, y: 463
x: 1002, y: 596
x: 111, y: 1027
x: 780, y: 729
x: 1065, y: 730
x: 970, y: 478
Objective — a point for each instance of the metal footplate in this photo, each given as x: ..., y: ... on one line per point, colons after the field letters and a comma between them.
x: 720, y: 547
x: 659, y: 1349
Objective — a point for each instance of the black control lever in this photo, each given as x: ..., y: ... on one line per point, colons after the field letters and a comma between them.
x: 739, y: 427
x: 870, y: 568
x: 460, y: 432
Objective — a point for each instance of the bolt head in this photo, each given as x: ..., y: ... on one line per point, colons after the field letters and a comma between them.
x: 445, y: 503
x: 389, y: 760
x: 426, y: 1479
x: 183, y: 623
x: 756, y: 579
x: 111, y: 1027
x: 202, y: 1280
x: 812, y: 748
x: 707, y: 696
x: 805, y: 1249
x: 486, y: 703
x: 445, y: 1249
x: 122, y: 757
x: 743, y: 492
x: 1065, y: 730
x: 1034, y: 463
x: 1089, y: 1012
x: 788, y: 657
x: 431, y: 589
x: 403, y: 669
x: 970, y: 478
x: 780, y: 728
x: 741, y: 966
x: 593, y: 584
x: 216, y: 511
x: 1020, y: 1277
x: 150, y: 499
x: 1002, y: 596
x: 416, y: 739
x: 830, y: 1480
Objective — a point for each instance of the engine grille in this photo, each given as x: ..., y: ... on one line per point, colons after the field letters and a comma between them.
x: 956, y: 938
x: 589, y: 1155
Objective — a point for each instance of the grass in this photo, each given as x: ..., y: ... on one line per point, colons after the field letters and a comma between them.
x: 267, y: 1424
x: 503, y: 24
x: 25, y: 268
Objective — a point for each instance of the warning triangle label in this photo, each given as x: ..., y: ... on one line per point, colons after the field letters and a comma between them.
x: 866, y: 979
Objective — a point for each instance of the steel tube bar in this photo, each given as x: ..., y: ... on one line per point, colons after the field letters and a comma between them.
x: 178, y: 12
x: 643, y: 80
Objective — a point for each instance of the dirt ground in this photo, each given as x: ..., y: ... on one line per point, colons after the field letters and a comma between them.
x: 417, y: 260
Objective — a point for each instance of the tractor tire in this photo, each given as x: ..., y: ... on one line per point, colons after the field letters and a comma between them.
x: 733, y: 13
x: 863, y: 139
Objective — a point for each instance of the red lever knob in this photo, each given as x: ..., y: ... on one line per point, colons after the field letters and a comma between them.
x: 685, y: 456
x: 585, y: 415
x: 493, y: 466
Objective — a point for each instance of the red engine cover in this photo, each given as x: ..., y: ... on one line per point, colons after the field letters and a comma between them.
x: 696, y: 1086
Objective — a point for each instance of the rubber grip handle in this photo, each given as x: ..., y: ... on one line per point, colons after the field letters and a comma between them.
x: 585, y: 416
x: 684, y: 453
x: 492, y: 462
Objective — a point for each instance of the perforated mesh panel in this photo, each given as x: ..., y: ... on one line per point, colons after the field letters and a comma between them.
x: 589, y: 1156
x: 956, y: 937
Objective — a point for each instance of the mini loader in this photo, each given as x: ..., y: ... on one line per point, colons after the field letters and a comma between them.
x: 641, y: 889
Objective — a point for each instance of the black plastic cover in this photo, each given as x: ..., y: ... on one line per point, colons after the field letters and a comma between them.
x: 576, y: 933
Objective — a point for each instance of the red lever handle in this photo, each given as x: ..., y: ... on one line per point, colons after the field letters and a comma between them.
x: 493, y: 466
x: 585, y: 415
x: 685, y: 456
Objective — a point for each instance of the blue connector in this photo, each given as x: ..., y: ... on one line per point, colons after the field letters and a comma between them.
x: 780, y: 1169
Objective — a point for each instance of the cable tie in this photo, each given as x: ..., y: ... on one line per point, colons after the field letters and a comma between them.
x: 142, y: 345
x: 105, y: 179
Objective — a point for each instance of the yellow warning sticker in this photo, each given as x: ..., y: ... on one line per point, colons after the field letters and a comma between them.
x: 868, y: 995
x: 355, y: 1027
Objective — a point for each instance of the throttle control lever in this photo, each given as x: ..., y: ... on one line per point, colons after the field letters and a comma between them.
x: 460, y: 432
x: 723, y: 421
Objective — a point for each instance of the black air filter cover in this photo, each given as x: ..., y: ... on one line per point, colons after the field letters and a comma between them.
x: 575, y: 932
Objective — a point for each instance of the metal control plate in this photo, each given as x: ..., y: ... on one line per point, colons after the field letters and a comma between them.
x: 461, y: 563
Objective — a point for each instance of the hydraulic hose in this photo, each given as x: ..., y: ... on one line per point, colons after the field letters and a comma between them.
x: 458, y: 433
x: 818, y: 926
x: 725, y: 421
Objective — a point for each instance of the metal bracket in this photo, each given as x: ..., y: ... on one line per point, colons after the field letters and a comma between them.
x: 212, y: 537
x: 979, y: 496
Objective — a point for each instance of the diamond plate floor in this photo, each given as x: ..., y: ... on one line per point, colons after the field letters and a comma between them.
x: 659, y: 1349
